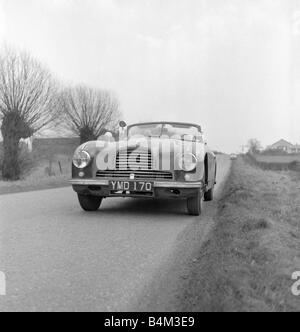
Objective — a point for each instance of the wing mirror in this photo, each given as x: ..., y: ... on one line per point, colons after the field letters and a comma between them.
x: 122, y: 130
x: 122, y: 124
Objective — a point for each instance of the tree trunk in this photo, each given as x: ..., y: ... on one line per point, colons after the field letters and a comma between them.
x: 13, y: 129
x: 10, y: 167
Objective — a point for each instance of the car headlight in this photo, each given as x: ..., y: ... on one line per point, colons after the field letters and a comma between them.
x: 188, y: 162
x: 81, y: 159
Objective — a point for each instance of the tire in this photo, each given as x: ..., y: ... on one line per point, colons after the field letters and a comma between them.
x: 195, y: 204
x: 209, y: 195
x: 89, y: 203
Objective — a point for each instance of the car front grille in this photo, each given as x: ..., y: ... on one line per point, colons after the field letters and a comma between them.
x: 137, y: 164
x: 138, y: 175
x: 134, y: 160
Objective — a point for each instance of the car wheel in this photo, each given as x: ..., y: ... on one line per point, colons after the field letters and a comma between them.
x: 89, y: 203
x: 209, y: 195
x: 195, y: 204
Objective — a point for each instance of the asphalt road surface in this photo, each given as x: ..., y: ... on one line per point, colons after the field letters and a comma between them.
x: 59, y: 258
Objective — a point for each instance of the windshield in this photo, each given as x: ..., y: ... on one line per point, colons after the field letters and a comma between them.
x: 183, y: 131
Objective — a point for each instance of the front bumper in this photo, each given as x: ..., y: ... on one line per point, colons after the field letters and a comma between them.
x: 162, y: 189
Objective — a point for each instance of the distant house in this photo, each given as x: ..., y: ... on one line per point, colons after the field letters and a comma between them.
x: 284, y: 146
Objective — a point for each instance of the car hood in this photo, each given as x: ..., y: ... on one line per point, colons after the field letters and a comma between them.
x: 153, y: 144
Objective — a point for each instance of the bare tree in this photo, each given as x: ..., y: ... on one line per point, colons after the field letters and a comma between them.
x: 89, y: 112
x: 254, y: 146
x: 27, y: 103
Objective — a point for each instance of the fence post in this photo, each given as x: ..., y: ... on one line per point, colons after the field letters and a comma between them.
x: 60, y: 167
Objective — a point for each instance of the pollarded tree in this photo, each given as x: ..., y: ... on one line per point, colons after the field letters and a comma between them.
x: 27, y: 104
x: 88, y: 112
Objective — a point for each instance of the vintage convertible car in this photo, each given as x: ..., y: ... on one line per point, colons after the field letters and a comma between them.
x: 155, y: 160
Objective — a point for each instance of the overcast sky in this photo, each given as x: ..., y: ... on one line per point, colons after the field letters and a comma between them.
x: 228, y: 65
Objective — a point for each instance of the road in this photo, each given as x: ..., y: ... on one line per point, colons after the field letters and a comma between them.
x: 58, y: 258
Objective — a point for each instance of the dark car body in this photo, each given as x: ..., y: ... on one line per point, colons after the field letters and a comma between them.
x: 153, y: 162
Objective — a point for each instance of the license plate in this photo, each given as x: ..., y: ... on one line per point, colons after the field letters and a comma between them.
x: 136, y: 186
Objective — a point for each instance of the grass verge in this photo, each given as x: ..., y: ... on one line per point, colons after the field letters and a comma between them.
x: 49, y: 166
x: 248, y: 261
x: 46, y: 174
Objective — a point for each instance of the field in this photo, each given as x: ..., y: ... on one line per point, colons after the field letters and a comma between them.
x: 279, y: 162
x: 277, y: 159
x: 51, y: 166
x: 248, y: 261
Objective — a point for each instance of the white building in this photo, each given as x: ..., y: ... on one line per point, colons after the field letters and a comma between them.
x: 27, y: 143
x: 285, y: 146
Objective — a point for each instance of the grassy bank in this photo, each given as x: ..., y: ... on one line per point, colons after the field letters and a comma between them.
x: 38, y: 179
x: 276, y: 163
x: 49, y: 166
x: 247, y: 263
